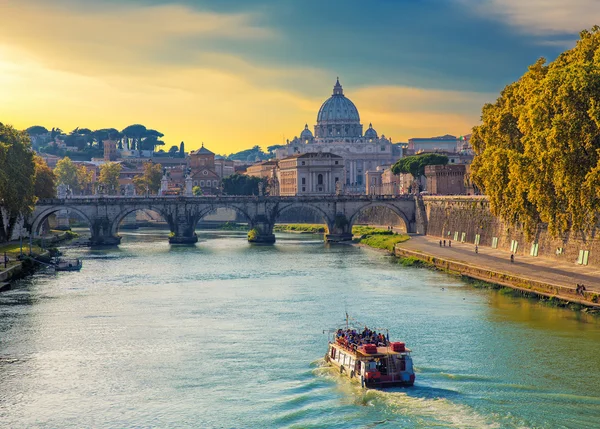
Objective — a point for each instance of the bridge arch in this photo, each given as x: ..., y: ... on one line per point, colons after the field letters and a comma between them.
x: 300, y: 205
x: 399, y: 212
x: 212, y: 209
x: 125, y: 212
x: 40, y: 217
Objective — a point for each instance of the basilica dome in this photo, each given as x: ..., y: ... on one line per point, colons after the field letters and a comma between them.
x: 306, y: 134
x: 338, y: 108
x: 371, y: 133
x: 338, y: 116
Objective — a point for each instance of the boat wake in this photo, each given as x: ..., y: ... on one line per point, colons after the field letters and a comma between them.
x: 426, y: 406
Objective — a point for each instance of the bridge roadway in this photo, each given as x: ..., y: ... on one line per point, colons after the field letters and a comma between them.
x: 339, y: 212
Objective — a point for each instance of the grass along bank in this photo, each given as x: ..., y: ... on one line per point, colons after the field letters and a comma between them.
x: 378, y: 238
x: 308, y: 228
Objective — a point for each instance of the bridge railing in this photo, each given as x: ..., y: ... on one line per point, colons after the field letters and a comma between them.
x: 216, y: 199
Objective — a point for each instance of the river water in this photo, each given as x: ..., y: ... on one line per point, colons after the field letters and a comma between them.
x: 229, y: 335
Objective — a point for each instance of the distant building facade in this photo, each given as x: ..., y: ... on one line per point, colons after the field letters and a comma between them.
x: 445, y: 179
x: 203, y: 171
x: 339, y: 131
x: 313, y: 173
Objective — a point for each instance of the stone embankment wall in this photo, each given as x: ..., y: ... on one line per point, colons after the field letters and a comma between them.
x: 471, y: 215
x: 514, y: 281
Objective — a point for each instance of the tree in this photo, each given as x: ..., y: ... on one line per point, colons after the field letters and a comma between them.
x: 17, y: 170
x: 109, y: 177
x: 174, y: 151
x: 538, y: 147
x: 416, y: 164
x: 84, y: 179
x: 182, y: 150
x: 240, y: 184
x: 37, y: 130
x: 134, y: 133
x: 44, y: 179
x: 150, y: 179
x: 197, y: 191
x: 66, y: 173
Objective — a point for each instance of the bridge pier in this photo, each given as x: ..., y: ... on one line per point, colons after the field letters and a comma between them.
x: 102, y: 233
x: 261, y: 231
x: 340, y: 230
x: 184, y: 233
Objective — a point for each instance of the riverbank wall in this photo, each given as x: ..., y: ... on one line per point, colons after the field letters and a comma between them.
x: 531, y: 286
x: 468, y: 219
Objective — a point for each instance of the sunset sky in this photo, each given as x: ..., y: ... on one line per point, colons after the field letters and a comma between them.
x: 236, y: 73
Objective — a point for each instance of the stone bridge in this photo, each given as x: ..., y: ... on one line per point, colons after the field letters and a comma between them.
x: 339, y: 213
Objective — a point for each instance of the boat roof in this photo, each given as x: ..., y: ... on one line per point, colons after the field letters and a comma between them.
x: 360, y: 352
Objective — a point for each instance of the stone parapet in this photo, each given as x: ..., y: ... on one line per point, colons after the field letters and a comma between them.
x: 471, y: 215
x: 540, y: 288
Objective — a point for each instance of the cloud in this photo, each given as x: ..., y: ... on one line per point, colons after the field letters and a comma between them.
x: 540, y: 17
x: 120, y: 38
x: 405, y: 112
x: 179, y: 70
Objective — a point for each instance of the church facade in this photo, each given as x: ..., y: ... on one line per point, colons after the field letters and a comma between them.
x: 339, y: 131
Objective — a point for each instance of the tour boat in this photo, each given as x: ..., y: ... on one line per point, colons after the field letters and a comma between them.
x: 374, y: 363
x: 68, y: 265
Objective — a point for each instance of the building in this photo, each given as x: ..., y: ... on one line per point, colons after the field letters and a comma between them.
x: 312, y: 173
x: 110, y: 150
x: 203, y: 171
x: 339, y: 131
x: 264, y: 170
x: 445, y: 179
x: 224, y: 167
x: 447, y: 143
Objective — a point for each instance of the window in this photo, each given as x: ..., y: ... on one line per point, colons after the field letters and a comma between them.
x: 304, y: 180
x: 205, y: 172
x: 359, y: 179
x: 383, y: 148
x: 214, y: 183
x: 303, y: 189
x: 202, y: 183
x: 303, y: 163
x: 337, y: 162
x: 320, y: 179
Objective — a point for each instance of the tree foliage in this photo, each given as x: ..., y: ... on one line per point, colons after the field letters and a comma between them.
x: 240, y: 184
x: 538, y: 147
x: 44, y: 179
x: 416, y: 164
x: 66, y: 173
x: 109, y: 177
x: 17, y: 171
x: 150, y: 179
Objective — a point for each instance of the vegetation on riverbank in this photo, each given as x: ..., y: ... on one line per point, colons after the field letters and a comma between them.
x: 232, y: 226
x: 301, y: 227
x: 378, y: 238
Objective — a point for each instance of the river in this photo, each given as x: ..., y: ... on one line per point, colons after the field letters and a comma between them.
x: 230, y: 335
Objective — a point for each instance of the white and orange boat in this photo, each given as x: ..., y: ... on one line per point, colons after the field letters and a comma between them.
x: 370, y: 358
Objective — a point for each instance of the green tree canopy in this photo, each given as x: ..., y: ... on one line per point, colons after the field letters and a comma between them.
x: 37, y: 130
x: 66, y: 173
x: 416, y: 164
x: 109, y: 177
x: 538, y: 147
x: 150, y: 179
x: 17, y: 171
x: 44, y: 179
x: 240, y: 184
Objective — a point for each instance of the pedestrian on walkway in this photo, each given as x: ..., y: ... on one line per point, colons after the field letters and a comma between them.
x: 440, y: 243
x: 512, y: 257
x: 476, y: 249
x: 449, y: 243
x: 444, y: 243
x: 581, y: 289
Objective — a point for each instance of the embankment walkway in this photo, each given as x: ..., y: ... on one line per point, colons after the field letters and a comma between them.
x: 562, y: 277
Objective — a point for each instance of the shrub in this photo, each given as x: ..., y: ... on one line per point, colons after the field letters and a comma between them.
x: 253, y: 234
